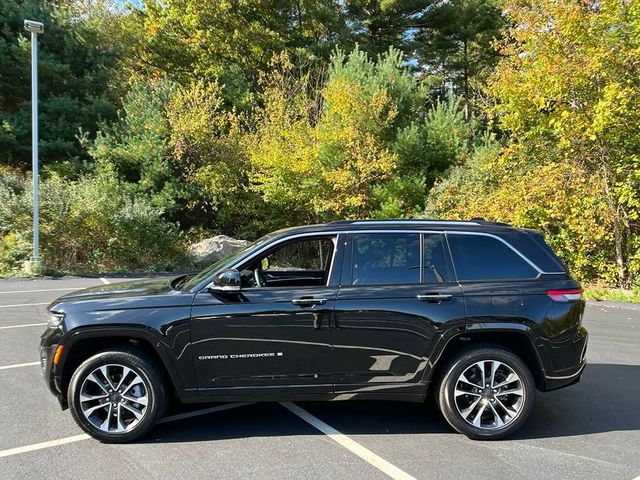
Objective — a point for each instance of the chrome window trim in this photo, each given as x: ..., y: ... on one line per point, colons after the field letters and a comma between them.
x: 337, y: 232
x: 275, y: 243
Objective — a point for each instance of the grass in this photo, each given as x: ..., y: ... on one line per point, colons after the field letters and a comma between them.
x: 612, y: 294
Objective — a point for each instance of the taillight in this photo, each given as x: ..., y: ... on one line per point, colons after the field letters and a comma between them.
x: 565, y: 295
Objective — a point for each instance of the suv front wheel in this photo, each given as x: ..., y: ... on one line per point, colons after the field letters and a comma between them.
x: 117, y: 396
x: 486, y: 393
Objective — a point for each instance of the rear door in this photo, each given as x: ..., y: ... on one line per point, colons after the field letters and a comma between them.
x: 397, y: 297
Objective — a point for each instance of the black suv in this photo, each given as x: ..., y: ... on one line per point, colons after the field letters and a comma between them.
x: 479, y: 313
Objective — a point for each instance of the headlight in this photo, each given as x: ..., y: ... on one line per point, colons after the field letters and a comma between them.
x: 55, y: 319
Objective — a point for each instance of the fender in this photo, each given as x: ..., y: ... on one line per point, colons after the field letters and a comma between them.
x: 446, y: 342
x: 146, y: 334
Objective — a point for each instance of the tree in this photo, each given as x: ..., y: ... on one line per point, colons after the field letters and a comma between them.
x: 377, y: 25
x: 568, y: 92
x: 74, y: 76
x: 454, y: 39
x: 560, y: 199
x: 360, y: 143
x: 227, y: 41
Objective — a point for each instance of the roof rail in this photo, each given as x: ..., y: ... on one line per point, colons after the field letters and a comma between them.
x: 425, y: 221
x: 482, y: 221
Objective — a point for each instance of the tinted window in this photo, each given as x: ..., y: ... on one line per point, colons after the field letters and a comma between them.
x: 386, y: 258
x: 435, y: 266
x: 478, y: 257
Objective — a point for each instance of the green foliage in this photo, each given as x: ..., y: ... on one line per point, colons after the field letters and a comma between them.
x: 136, y: 147
x: 74, y: 75
x: 240, y: 117
x: 562, y: 200
x: 600, y: 294
x: 457, y: 40
x: 352, y: 146
x: 366, y: 146
x: 232, y: 42
x: 90, y: 224
x: 401, y: 196
x: 568, y: 91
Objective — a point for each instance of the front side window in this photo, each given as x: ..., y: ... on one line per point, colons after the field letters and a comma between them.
x: 479, y: 257
x: 302, y: 255
x: 386, y: 258
x: 299, y: 263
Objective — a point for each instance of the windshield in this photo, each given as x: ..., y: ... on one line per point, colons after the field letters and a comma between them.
x: 210, y: 270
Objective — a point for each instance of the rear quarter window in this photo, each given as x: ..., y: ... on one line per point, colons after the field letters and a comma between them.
x: 480, y: 257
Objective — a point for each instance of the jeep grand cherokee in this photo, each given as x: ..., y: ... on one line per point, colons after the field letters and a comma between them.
x: 480, y: 314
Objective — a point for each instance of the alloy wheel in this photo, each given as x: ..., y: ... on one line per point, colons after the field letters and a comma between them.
x: 114, y: 398
x: 489, y: 394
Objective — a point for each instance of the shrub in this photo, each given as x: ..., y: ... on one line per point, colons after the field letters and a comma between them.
x: 561, y: 199
x: 91, y: 224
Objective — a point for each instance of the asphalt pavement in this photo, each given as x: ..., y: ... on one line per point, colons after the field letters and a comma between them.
x: 587, y: 431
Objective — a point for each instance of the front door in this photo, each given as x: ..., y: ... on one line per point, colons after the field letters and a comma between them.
x: 274, y: 336
x: 398, y: 296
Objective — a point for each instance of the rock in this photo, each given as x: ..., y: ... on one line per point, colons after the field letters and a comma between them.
x: 212, y: 249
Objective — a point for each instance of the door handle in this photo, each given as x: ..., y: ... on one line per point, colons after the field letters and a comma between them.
x: 307, y: 302
x: 435, y: 297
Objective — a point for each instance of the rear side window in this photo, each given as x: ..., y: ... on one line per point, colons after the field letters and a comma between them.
x: 478, y: 257
x: 386, y: 259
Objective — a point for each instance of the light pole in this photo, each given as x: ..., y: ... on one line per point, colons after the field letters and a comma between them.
x: 35, y: 265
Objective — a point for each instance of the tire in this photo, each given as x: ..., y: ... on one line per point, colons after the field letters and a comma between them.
x: 110, y: 416
x: 484, y: 412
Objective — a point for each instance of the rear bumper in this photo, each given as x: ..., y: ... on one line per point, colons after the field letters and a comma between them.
x: 553, y: 382
x: 573, y: 355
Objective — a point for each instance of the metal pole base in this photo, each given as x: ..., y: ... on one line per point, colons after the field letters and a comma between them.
x: 34, y: 266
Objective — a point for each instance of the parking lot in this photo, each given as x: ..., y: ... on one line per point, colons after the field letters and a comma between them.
x: 590, y: 430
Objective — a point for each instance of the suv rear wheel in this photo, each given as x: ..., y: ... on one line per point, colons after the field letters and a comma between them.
x: 486, y: 393
x: 117, y: 396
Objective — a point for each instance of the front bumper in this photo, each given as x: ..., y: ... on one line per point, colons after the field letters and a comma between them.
x: 49, y: 342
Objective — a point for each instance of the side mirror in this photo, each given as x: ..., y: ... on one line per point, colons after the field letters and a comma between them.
x: 226, y: 281
x: 264, y: 264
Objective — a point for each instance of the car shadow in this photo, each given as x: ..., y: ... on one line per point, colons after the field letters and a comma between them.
x: 605, y: 400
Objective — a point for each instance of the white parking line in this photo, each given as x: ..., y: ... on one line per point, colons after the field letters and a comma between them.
x: 24, y: 305
x: 351, y: 445
x: 84, y: 436
x: 18, y: 365
x: 25, y: 325
x: 40, y: 446
x: 41, y: 290
x: 104, y: 280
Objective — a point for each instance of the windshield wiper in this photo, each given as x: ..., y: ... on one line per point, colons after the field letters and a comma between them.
x: 178, y: 282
